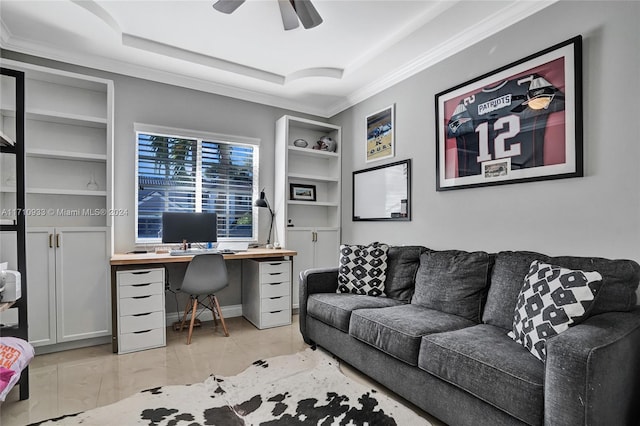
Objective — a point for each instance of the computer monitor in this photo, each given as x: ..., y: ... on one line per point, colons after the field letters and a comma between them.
x: 189, y: 227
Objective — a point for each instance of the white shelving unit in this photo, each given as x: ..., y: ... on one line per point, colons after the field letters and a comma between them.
x: 68, y: 180
x: 315, y: 233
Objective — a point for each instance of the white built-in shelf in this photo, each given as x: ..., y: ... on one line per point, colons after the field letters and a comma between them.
x: 312, y: 203
x: 66, y: 155
x: 305, y: 176
x: 60, y: 117
x: 7, y: 189
x: 65, y: 191
x: 312, y: 152
x: 6, y: 140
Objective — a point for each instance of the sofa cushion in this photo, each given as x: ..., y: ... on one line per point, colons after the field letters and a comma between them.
x: 618, y: 293
x: 363, y: 269
x: 483, y: 361
x: 552, y: 299
x: 397, y: 330
x: 335, y: 309
x: 402, y: 265
x: 453, y: 282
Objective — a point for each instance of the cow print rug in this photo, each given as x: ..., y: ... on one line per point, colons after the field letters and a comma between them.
x: 306, y: 388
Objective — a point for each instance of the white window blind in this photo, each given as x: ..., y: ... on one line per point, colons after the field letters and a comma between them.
x: 183, y: 174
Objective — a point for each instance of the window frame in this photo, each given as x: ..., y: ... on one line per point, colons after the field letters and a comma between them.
x: 199, y: 136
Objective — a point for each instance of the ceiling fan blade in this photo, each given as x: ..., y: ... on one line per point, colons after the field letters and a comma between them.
x: 308, y: 14
x: 227, y: 6
x: 289, y: 17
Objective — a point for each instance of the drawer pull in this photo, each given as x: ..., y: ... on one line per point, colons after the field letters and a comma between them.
x: 141, y: 297
x: 275, y: 312
x: 140, y: 332
x: 276, y: 264
x: 141, y: 315
x: 141, y: 285
x: 275, y: 273
x: 274, y: 298
x: 140, y: 272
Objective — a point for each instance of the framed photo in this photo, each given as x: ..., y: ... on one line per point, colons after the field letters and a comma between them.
x: 519, y: 123
x: 380, y: 135
x: 383, y: 192
x: 300, y: 192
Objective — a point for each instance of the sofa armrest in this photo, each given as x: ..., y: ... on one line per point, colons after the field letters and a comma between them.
x: 319, y: 280
x: 592, y: 372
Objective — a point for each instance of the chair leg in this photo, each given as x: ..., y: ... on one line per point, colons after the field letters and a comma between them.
x: 187, y: 309
x: 194, y: 309
x: 213, y: 310
x: 224, y: 326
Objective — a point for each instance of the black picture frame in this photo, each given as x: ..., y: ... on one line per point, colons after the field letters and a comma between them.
x: 519, y: 123
x: 382, y: 193
x: 302, y: 192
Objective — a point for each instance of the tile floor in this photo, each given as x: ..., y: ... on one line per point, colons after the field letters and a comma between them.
x: 81, y: 379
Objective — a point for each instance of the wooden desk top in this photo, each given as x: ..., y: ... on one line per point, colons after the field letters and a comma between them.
x: 144, y: 258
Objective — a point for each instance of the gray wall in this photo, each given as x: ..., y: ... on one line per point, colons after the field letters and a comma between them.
x: 597, y: 215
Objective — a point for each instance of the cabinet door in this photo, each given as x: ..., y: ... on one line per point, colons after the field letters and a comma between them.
x: 82, y: 284
x: 300, y: 240
x: 327, y: 246
x: 41, y: 287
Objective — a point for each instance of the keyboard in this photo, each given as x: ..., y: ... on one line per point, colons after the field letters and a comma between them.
x: 191, y: 252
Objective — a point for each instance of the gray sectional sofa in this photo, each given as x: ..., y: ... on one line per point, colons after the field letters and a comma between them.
x: 438, y: 338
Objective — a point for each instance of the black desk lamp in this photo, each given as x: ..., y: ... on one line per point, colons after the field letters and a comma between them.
x: 262, y: 202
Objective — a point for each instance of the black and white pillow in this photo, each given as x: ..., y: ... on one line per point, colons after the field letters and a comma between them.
x: 363, y: 269
x: 551, y: 300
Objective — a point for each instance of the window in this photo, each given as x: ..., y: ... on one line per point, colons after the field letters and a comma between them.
x: 185, y: 171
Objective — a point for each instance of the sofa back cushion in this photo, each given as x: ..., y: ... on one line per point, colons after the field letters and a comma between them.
x: 402, y: 265
x: 619, y: 283
x: 453, y: 281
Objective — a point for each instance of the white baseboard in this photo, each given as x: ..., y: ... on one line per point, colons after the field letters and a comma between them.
x: 227, y: 312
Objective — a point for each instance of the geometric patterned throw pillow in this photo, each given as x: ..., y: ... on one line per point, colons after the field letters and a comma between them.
x: 363, y: 269
x: 551, y: 300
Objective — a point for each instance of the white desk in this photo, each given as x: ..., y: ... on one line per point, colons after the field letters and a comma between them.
x: 122, y: 262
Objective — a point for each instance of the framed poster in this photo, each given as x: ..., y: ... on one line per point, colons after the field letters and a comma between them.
x: 300, y: 192
x: 380, y: 135
x: 383, y: 192
x: 519, y: 123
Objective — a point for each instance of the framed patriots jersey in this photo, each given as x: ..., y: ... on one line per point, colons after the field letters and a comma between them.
x: 519, y: 123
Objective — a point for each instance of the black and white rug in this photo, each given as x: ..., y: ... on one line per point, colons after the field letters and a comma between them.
x: 306, y: 388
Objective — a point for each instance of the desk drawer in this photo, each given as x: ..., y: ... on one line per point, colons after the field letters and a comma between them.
x: 275, y: 289
x: 271, y: 304
x: 271, y: 267
x: 140, y: 340
x: 274, y: 319
x: 136, y: 290
x: 140, y: 276
x: 141, y: 322
x: 141, y: 305
x: 275, y: 276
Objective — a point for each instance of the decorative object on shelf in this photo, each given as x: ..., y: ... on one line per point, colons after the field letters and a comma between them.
x: 519, y: 123
x: 300, y: 143
x: 92, y: 185
x: 327, y: 144
x: 301, y: 192
x: 383, y: 192
x: 380, y: 134
x: 264, y: 203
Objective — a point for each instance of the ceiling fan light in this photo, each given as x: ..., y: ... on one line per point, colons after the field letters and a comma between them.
x: 308, y: 14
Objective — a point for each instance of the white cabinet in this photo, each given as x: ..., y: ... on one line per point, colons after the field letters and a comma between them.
x: 312, y: 228
x: 141, y: 313
x: 68, y: 286
x: 316, y: 247
x: 266, y: 292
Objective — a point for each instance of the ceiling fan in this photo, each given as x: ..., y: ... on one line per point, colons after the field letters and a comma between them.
x: 292, y: 11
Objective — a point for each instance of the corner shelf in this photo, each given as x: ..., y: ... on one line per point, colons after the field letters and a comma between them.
x: 66, y: 155
x: 304, y: 176
x: 312, y: 152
